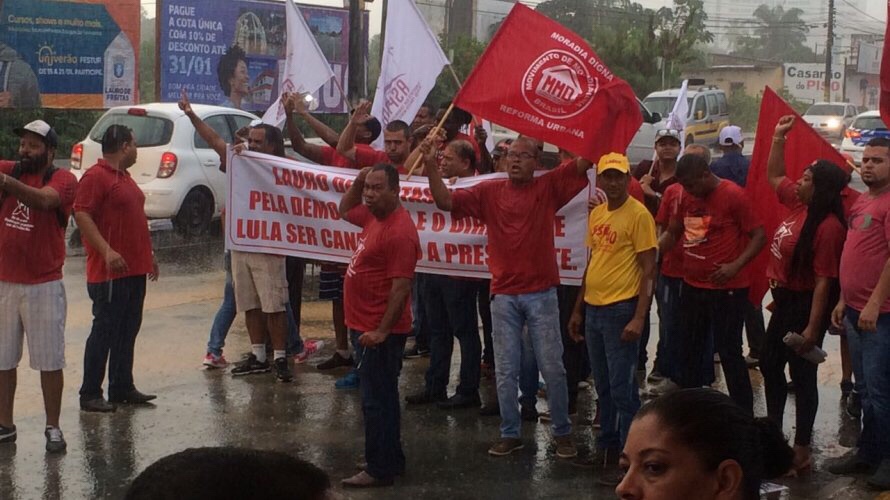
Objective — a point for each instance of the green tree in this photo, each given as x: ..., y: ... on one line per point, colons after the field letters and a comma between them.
x: 778, y: 35
x: 464, y: 52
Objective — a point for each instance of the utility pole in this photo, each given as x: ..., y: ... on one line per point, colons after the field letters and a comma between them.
x: 356, y: 87
x: 383, y: 31
x: 828, y: 49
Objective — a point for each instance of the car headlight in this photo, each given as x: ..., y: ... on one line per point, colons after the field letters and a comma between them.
x: 833, y: 123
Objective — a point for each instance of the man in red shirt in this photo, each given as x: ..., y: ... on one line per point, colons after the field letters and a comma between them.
x: 109, y: 210
x: 720, y: 234
x: 864, y: 310
x: 377, y: 299
x: 35, y: 203
x: 519, y: 212
x: 397, y: 141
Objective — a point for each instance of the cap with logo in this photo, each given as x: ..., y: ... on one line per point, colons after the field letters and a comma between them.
x: 730, y: 135
x: 42, y: 129
x: 613, y: 161
x: 667, y: 132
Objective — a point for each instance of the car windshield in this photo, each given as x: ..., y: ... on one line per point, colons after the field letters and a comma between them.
x: 149, y: 130
x: 825, y: 110
x: 663, y: 105
x: 869, y: 123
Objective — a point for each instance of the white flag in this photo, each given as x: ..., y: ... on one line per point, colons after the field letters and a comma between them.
x: 412, y: 60
x: 305, y: 67
x: 677, y: 117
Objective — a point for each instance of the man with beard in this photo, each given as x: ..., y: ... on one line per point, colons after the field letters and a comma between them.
x: 35, y: 203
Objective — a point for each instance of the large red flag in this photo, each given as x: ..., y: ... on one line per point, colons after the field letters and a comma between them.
x: 539, y: 78
x: 884, y: 102
x: 802, y: 147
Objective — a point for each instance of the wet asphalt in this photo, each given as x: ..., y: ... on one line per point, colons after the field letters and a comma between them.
x: 446, y: 450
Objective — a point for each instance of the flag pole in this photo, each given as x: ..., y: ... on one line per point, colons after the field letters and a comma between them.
x: 342, y: 92
x: 454, y: 74
x: 434, y: 131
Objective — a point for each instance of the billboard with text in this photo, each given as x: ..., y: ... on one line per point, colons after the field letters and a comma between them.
x: 69, y: 54
x: 196, y: 36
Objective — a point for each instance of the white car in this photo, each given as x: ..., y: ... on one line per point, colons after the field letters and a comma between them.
x: 178, y: 172
x: 641, y: 147
x: 830, y: 119
x: 865, y: 127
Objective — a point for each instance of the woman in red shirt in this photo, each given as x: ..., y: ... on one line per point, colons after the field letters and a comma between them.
x: 803, y: 268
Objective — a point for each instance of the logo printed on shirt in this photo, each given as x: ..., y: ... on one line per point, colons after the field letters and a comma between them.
x: 350, y: 271
x: 603, y: 237
x: 782, y: 232
x: 20, y: 218
x: 696, y: 230
x: 865, y: 223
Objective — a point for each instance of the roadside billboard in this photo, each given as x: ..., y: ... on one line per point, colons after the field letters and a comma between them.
x: 195, y: 36
x: 806, y: 81
x: 69, y: 54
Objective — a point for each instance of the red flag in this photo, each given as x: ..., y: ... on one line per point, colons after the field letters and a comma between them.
x: 540, y: 79
x: 803, y: 146
x: 884, y: 102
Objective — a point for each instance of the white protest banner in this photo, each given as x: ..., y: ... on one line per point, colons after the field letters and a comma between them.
x: 305, y: 67
x: 412, y: 60
x: 284, y: 207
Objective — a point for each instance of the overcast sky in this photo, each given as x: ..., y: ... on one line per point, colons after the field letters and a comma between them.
x: 876, y: 8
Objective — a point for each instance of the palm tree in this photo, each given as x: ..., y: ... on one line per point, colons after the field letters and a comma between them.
x: 779, y: 34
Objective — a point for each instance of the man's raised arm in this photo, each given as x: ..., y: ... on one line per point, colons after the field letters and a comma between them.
x: 346, y: 144
x: 208, y: 134
x: 441, y: 193
x: 293, y: 103
x: 353, y: 196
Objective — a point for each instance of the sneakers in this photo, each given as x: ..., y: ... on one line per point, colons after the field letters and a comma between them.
x: 310, y: 347
x: 851, y: 463
x: 282, y: 372
x: 565, y: 448
x: 7, y: 434
x: 416, y: 352
x: 505, y: 446
x: 250, y: 366
x: 55, y: 441
x: 335, y: 361
x: 460, y: 401
x: 425, y: 397
x: 348, y: 381
x: 213, y: 361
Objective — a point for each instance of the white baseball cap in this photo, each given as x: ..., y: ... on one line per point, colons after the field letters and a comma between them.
x: 731, y: 135
x: 42, y: 129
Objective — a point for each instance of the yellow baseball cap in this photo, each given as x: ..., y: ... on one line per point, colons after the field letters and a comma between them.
x: 613, y: 161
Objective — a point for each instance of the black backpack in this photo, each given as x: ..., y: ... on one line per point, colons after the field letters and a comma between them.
x: 18, y: 171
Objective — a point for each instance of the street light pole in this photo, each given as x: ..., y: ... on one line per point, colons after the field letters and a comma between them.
x: 829, y: 43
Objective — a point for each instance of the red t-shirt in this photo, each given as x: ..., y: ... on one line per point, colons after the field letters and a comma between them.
x: 117, y: 206
x: 715, y: 232
x: 827, y: 245
x: 849, y: 197
x: 365, y: 156
x: 671, y: 261
x: 521, y: 251
x: 866, y: 250
x: 32, y: 243
x: 387, y: 249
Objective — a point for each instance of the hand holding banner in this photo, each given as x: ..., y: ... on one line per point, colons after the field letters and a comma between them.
x: 540, y: 79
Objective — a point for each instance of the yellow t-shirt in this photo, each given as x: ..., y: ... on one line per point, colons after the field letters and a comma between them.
x: 615, y: 238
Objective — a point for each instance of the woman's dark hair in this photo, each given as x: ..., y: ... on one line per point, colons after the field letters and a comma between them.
x: 229, y: 473
x: 228, y: 63
x: 716, y: 429
x: 828, y: 182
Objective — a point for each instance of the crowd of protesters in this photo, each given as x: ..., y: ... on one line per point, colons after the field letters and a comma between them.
x: 679, y: 231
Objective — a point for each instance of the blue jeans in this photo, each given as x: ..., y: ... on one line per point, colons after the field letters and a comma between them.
x: 870, y: 353
x: 225, y: 316
x: 667, y: 295
x: 117, y: 318
x: 378, y: 370
x: 539, y: 312
x: 614, y: 363
x: 450, y: 306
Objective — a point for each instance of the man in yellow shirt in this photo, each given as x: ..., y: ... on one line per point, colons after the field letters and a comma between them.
x: 614, y: 302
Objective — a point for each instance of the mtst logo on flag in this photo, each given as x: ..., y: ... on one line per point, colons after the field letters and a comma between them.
x: 542, y: 80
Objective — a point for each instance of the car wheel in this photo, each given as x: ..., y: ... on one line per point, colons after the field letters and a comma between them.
x: 194, y: 215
